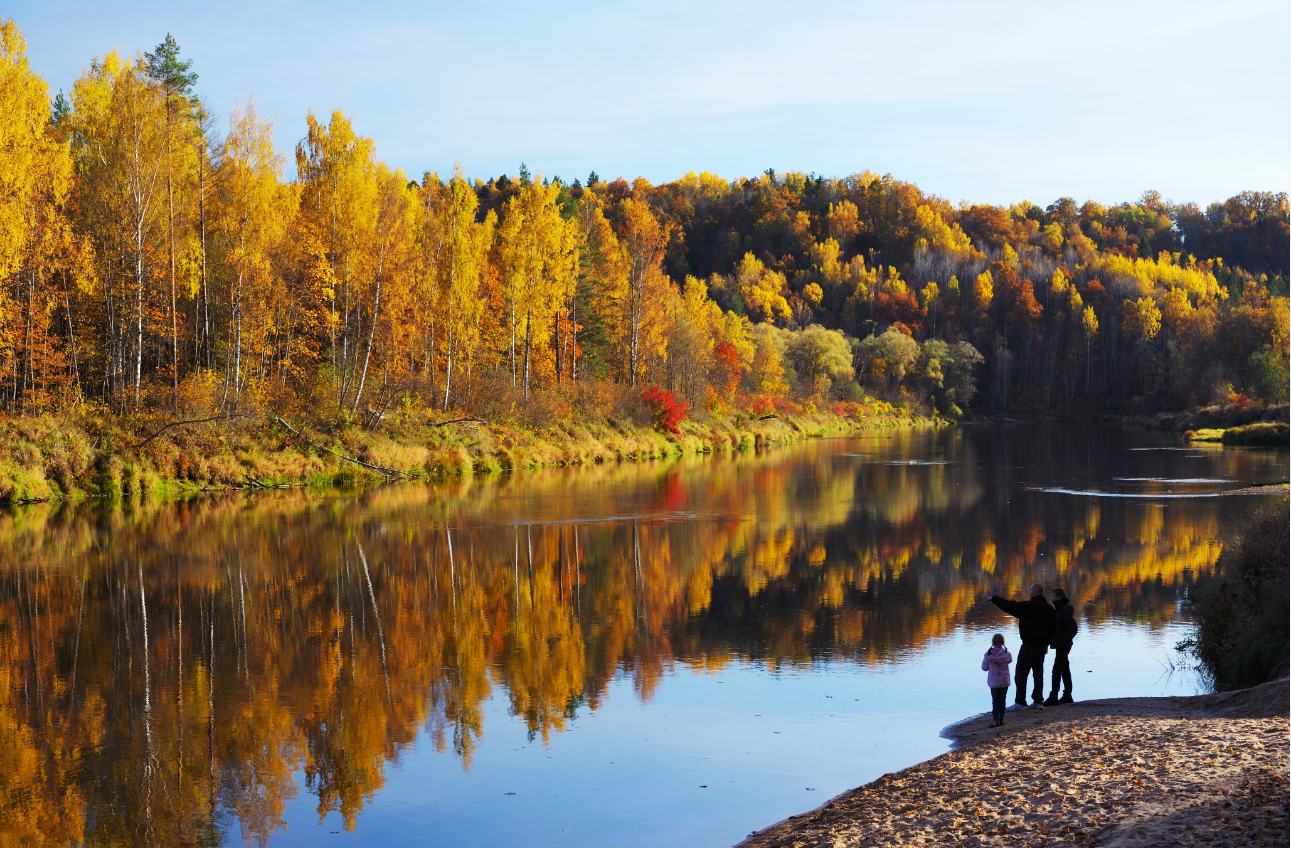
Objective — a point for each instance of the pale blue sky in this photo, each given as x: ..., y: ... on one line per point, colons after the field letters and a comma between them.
x: 987, y: 102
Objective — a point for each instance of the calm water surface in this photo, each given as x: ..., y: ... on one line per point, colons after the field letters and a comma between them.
x: 666, y: 653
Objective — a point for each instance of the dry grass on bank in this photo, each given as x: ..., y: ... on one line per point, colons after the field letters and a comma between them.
x: 52, y: 457
x: 1210, y: 770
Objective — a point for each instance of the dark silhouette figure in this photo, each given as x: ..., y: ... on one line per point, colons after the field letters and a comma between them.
x: 1064, y: 632
x: 1037, y: 621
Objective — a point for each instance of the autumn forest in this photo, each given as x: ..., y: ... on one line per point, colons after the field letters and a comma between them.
x: 155, y: 258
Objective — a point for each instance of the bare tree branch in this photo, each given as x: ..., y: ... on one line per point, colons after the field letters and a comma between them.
x: 389, y: 472
x: 224, y: 417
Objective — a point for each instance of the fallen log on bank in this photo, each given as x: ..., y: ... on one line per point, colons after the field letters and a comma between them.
x: 388, y: 472
x: 471, y: 421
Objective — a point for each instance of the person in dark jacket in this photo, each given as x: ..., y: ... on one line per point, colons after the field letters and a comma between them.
x: 1064, y: 632
x: 1037, y: 621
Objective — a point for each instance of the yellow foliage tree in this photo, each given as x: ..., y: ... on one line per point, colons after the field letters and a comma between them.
x: 40, y: 257
x: 762, y: 291
x: 461, y: 270
x: 643, y: 239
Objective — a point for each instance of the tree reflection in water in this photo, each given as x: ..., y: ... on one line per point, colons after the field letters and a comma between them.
x: 165, y: 670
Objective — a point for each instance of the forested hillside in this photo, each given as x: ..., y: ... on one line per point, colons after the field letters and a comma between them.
x: 154, y: 259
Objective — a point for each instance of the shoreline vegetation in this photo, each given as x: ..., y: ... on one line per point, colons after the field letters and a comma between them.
x: 1231, y: 424
x: 65, y: 458
x: 1204, y: 770
x: 87, y: 454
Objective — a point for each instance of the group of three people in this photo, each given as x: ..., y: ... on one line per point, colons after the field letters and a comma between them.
x: 1042, y: 626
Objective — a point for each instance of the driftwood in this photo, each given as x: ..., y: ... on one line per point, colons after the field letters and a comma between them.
x: 388, y: 472
x: 224, y: 417
x: 260, y: 484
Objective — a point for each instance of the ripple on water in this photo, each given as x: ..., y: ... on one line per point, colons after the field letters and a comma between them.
x: 1094, y: 493
x: 1192, y: 448
x: 1172, y: 479
x: 917, y: 462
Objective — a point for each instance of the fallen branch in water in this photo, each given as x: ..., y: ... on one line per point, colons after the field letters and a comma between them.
x: 389, y: 472
x: 224, y: 417
x: 260, y: 484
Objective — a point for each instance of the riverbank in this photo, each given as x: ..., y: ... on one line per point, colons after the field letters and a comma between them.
x: 1201, y: 770
x: 1232, y: 424
x: 1251, y: 424
x: 57, y: 458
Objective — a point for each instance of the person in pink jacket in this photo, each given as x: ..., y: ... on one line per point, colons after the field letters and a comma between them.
x: 996, y: 665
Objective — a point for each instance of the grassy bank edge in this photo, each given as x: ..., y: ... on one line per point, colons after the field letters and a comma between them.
x: 63, y: 458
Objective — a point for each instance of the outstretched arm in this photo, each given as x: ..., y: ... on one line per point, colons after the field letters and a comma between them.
x: 1013, y: 608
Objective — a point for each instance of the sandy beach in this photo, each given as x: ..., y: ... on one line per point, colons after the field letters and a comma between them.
x: 1203, y: 770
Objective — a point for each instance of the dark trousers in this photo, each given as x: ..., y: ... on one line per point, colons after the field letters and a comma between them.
x: 1030, y: 661
x: 998, y: 694
x: 1061, y: 670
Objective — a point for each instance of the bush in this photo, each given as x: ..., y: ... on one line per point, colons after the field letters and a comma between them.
x: 1240, y: 635
x: 763, y: 405
x: 668, y: 411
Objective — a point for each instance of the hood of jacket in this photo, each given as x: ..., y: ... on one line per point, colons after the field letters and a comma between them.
x: 995, y: 662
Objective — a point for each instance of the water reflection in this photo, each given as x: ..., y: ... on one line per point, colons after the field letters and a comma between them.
x: 165, y: 671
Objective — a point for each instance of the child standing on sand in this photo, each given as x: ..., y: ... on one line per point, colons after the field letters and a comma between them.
x: 996, y: 665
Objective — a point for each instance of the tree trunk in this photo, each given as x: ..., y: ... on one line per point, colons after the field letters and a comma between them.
x: 448, y: 367
x: 170, y: 238
x: 138, y: 359
x: 527, y: 322
x: 372, y: 332
x: 206, y: 297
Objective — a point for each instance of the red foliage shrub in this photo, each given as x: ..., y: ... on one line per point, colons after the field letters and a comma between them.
x: 761, y: 405
x: 668, y: 411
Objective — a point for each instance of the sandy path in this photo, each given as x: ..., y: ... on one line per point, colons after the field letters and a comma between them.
x: 1209, y: 770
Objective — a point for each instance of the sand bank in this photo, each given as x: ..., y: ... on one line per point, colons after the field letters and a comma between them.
x: 1203, y: 770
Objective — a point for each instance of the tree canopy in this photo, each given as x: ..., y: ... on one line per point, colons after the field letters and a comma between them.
x: 150, y: 261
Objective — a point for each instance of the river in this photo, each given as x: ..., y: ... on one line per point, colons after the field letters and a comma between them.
x: 634, y: 654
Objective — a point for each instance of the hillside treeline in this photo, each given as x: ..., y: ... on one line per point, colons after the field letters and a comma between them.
x: 153, y: 259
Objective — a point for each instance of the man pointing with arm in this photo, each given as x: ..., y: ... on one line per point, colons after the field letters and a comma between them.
x: 1037, y: 620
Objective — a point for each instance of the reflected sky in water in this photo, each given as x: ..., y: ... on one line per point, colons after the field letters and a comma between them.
x: 671, y: 652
